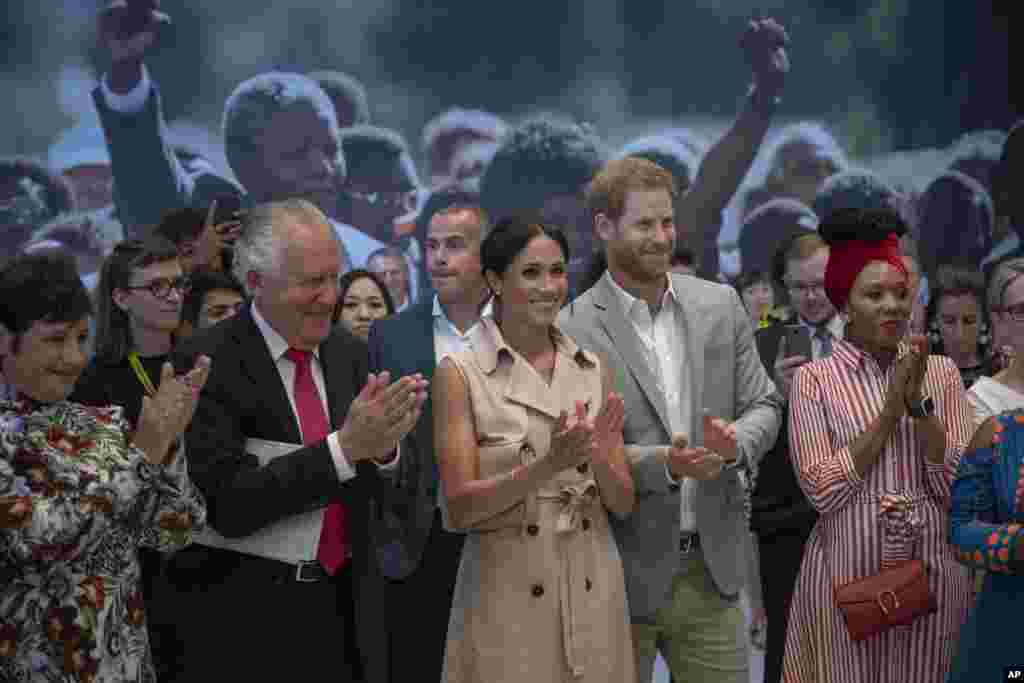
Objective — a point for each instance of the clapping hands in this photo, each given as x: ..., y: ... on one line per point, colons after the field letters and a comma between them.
x: 167, y: 414
x: 381, y: 415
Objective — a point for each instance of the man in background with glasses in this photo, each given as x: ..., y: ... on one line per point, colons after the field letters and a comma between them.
x: 781, y: 515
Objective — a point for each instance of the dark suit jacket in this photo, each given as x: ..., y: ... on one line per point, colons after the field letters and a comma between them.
x: 244, y: 398
x: 778, y: 502
x: 404, y: 345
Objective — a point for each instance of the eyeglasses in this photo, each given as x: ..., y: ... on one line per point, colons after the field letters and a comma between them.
x: 161, y: 288
x: 402, y: 199
x: 805, y: 288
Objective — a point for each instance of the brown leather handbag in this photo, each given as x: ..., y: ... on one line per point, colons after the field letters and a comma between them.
x: 893, y: 597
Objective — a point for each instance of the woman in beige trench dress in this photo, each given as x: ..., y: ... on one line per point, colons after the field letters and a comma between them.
x: 529, y: 442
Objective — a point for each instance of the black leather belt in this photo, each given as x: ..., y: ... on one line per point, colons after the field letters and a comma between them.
x: 688, y: 542
x: 229, y: 563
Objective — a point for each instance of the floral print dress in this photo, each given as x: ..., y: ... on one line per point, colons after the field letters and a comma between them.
x: 76, y: 501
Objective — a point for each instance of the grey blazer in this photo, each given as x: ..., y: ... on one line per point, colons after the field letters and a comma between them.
x: 725, y: 378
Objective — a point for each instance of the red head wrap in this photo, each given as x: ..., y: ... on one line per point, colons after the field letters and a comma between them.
x: 846, y: 259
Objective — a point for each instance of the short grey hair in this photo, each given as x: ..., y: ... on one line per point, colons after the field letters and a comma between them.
x: 254, y: 102
x: 1004, y: 274
x: 804, y: 132
x: 260, y: 246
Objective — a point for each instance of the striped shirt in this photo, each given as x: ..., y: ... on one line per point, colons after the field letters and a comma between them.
x: 833, y: 402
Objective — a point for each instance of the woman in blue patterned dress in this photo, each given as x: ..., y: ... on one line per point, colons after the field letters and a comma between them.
x: 79, y: 492
x: 987, y: 532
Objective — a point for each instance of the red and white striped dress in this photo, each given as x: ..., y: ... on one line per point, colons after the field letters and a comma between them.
x: 833, y: 402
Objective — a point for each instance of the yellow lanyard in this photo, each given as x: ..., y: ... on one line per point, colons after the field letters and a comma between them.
x: 140, y: 372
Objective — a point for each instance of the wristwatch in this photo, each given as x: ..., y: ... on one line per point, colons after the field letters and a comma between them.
x: 921, y: 409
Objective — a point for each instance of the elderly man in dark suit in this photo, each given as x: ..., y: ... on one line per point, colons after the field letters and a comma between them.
x: 287, y: 445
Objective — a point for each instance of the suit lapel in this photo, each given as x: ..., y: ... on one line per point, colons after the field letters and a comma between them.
x: 421, y: 343
x: 266, y: 380
x: 612, y: 316
x: 694, y: 332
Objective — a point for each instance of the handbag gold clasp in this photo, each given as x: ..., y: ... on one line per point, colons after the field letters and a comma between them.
x: 881, y: 601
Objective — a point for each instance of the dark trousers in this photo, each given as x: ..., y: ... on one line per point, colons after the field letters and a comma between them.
x: 403, y: 625
x: 243, y: 618
x: 781, y: 555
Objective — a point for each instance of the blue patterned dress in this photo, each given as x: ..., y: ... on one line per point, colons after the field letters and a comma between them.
x: 76, y: 502
x: 986, y: 525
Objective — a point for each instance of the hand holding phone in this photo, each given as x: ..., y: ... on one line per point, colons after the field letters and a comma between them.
x: 794, y: 351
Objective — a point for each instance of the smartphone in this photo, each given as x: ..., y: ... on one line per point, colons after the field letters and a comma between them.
x: 798, y: 342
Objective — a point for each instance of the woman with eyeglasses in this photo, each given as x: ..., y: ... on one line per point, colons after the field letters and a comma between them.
x: 81, y: 490
x: 139, y: 302
x: 958, y: 323
x: 990, y: 396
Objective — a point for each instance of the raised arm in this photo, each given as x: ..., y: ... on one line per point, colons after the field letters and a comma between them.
x: 979, y: 539
x: 728, y: 161
x: 149, y: 178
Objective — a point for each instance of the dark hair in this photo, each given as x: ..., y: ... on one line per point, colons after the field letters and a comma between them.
x: 113, y: 328
x: 511, y: 235
x: 342, y: 86
x: 440, y: 201
x: 181, y: 225
x: 774, y: 222
x: 955, y: 220
x: 951, y: 280
x: 870, y: 225
x: 202, y: 282
x: 976, y: 154
x: 853, y: 189
x: 798, y: 247
x: 541, y: 157
x: 41, y: 286
x: 747, y: 278
x: 350, y: 278
x: 367, y: 147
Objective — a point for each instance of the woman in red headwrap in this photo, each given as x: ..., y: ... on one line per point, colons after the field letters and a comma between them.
x: 876, y: 432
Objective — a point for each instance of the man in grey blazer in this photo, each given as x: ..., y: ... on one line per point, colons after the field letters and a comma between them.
x: 699, y: 406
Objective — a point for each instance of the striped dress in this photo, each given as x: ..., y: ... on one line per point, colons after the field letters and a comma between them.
x: 898, y: 511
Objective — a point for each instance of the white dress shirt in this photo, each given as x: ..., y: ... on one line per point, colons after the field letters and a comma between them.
x: 447, y: 338
x: 664, y: 344
x: 278, y: 347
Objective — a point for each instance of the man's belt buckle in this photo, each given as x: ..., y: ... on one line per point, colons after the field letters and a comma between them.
x: 309, y: 572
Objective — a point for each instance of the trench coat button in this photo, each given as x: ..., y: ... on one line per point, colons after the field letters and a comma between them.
x: 533, y: 529
x: 589, y: 584
x: 537, y: 590
x: 582, y: 468
x: 527, y: 450
x: 586, y: 524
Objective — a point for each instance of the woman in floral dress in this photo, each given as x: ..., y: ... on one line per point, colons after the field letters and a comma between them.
x: 79, y: 492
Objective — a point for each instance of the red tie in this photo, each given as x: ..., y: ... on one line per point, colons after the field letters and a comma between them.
x: 332, y: 552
